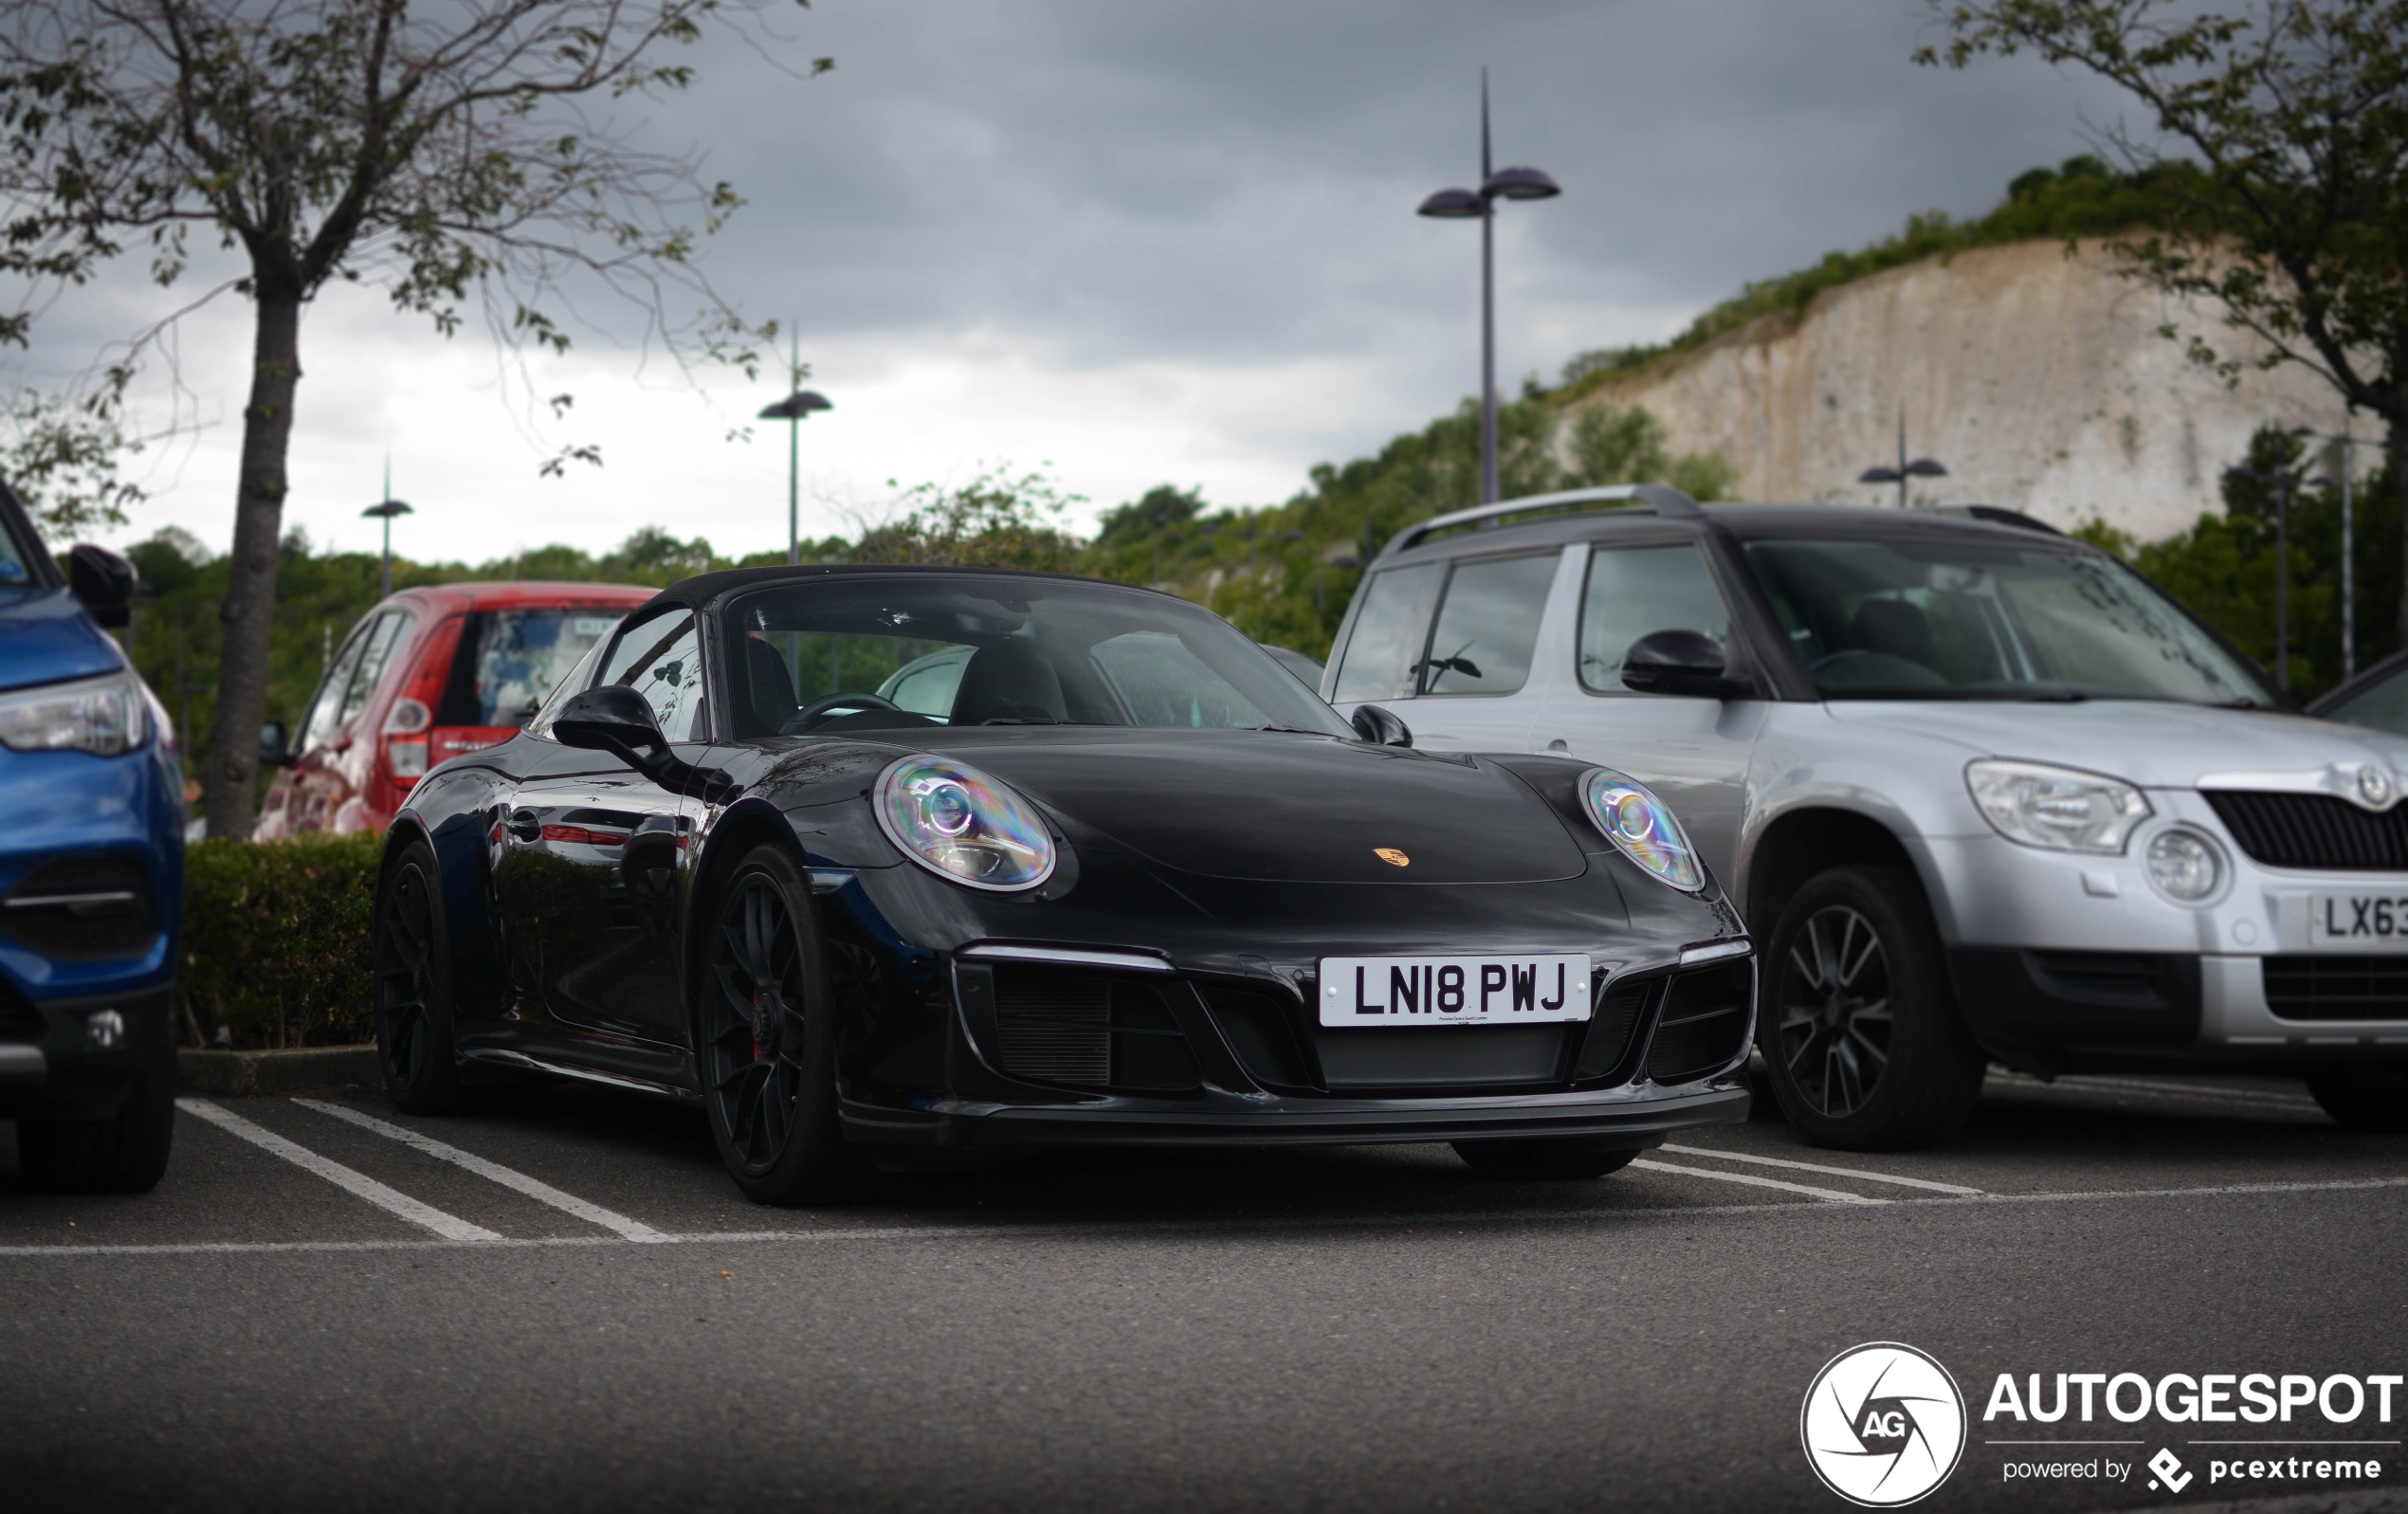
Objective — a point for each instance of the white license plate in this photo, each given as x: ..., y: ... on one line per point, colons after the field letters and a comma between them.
x: 1397, y: 991
x: 2359, y: 922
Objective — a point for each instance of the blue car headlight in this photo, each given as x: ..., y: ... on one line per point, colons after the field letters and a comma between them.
x: 1642, y: 828
x: 962, y: 825
x: 102, y: 716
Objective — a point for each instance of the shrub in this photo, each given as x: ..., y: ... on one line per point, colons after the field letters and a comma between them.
x: 277, y: 939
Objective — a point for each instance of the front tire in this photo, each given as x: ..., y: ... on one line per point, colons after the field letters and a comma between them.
x: 1859, y: 1028
x: 1542, y: 1159
x: 766, y: 1041
x: 415, y: 1041
x: 2365, y: 1096
x: 123, y: 1153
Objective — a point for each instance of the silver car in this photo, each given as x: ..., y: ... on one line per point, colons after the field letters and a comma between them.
x: 1983, y: 793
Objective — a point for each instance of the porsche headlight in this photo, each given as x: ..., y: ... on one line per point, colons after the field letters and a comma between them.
x: 959, y: 824
x: 2061, y: 808
x: 1642, y: 826
x: 102, y: 716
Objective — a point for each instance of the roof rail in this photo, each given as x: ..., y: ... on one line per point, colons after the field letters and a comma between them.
x: 1996, y: 515
x: 1662, y: 499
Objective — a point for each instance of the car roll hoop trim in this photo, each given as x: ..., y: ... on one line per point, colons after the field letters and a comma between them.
x: 1065, y: 956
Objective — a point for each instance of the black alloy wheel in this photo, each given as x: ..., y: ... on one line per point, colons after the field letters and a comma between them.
x: 767, y: 1046
x: 1832, y: 1019
x: 2367, y: 1096
x: 1859, y: 1029
x: 413, y: 987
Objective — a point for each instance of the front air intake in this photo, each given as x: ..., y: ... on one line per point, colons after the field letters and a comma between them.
x: 89, y: 908
x: 1703, y: 1027
x: 1089, y: 1030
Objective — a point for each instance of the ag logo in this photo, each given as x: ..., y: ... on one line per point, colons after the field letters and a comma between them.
x: 1883, y: 1425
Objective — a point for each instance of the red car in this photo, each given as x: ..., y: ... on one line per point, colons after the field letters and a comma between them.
x: 424, y: 676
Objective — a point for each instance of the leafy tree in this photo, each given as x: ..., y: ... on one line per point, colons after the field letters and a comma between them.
x: 995, y: 520
x: 435, y: 151
x: 2283, y: 188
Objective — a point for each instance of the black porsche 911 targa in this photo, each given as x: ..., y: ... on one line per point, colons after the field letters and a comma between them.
x: 864, y: 858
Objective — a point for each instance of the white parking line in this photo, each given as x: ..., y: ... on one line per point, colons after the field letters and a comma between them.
x: 1957, y: 1188
x: 1830, y: 1195
x: 359, y: 1184
x: 542, y: 1193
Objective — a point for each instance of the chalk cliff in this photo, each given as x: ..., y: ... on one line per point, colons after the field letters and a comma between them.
x: 2038, y: 379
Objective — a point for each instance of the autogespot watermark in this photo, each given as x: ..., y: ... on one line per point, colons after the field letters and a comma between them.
x: 1883, y: 1425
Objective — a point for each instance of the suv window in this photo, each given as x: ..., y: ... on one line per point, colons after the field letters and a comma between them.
x: 661, y: 659
x: 1387, y: 636
x: 381, y: 642
x: 1636, y: 591
x: 350, y: 677
x: 1489, y: 625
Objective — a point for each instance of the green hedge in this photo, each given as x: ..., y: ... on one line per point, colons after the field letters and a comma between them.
x: 277, y: 939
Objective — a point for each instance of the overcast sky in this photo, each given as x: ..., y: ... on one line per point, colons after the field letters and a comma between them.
x: 1139, y: 242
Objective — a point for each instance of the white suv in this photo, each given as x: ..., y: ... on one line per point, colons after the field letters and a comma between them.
x: 1984, y: 793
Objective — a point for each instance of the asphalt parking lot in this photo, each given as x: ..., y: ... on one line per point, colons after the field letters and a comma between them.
x: 559, y: 1301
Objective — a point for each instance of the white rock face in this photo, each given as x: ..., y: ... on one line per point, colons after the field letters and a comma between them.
x: 2039, y: 379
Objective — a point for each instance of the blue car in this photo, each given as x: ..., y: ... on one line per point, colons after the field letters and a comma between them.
x: 91, y: 876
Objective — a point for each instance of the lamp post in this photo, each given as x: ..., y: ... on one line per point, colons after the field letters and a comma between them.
x: 2281, y: 483
x: 1463, y: 204
x: 792, y: 409
x: 1922, y: 468
x: 2348, y: 553
x: 385, y: 510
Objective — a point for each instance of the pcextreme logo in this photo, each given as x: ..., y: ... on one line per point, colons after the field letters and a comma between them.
x: 1883, y: 1424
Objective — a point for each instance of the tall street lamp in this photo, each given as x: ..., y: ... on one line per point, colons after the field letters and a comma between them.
x: 792, y: 409
x: 2348, y: 557
x: 385, y: 511
x: 1922, y: 468
x: 1463, y: 204
x: 2281, y: 483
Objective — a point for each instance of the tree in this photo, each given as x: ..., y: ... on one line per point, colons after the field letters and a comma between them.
x: 2283, y: 186
x: 434, y: 152
x: 995, y: 520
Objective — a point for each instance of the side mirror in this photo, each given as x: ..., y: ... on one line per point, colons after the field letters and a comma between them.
x: 274, y: 748
x: 1380, y: 727
x: 616, y: 719
x: 103, y: 581
x: 1678, y: 662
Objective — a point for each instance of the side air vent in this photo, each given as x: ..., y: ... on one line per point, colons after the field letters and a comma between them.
x: 1090, y: 1030
x: 1258, y: 1028
x: 85, y: 908
x: 1610, y: 1030
x: 1704, y: 1025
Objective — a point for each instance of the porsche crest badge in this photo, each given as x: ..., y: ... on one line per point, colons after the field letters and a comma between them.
x: 1391, y: 856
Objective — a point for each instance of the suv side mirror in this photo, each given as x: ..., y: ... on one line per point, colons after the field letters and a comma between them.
x: 1380, y: 726
x: 275, y: 749
x: 1679, y: 661
x: 103, y: 581
x: 613, y: 719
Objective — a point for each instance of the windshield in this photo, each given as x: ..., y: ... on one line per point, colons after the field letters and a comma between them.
x: 510, y: 659
x: 1954, y: 619
x: 908, y: 652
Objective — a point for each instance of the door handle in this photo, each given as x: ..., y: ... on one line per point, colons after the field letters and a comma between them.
x: 524, y: 825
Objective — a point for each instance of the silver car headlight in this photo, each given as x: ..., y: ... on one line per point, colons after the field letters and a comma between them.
x: 962, y: 825
x: 102, y: 716
x: 2060, y: 809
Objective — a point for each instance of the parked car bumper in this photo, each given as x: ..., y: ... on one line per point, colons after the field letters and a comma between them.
x: 76, y: 1056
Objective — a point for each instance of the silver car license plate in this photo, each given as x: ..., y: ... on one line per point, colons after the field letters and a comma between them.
x: 2359, y: 923
x: 1403, y: 990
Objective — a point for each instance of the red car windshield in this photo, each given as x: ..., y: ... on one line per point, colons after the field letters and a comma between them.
x: 509, y: 660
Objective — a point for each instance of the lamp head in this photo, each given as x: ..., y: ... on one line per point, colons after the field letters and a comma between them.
x: 1879, y: 476
x: 1453, y: 204
x: 796, y: 406
x: 1519, y: 184
x: 387, y: 510
x: 1923, y: 468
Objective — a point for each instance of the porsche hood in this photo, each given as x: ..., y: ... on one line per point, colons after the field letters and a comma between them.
x: 1302, y: 808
